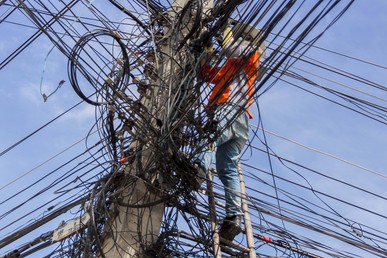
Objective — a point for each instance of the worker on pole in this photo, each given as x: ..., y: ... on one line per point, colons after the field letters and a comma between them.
x: 229, y: 102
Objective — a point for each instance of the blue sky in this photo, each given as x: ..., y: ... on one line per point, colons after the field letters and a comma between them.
x: 326, y: 127
x: 286, y: 111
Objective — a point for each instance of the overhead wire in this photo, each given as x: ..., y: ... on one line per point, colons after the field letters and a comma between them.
x: 43, y: 163
x: 37, y: 130
x: 163, y: 137
x: 320, y: 152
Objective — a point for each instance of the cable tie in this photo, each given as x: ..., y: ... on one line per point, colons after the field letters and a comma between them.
x: 120, y: 61
x: 111, y: 108
x: 124, y: 160
x: 151, y: 57
x: 136, y: 79
x: 140, y: 62
x: 109, y: 81
x: 117, y: 34
x: 266, y: 239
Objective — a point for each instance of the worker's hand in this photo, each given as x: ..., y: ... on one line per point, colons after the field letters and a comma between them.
x: 206, y: 39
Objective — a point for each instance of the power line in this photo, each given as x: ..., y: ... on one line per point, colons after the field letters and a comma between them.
x: 117, y: 71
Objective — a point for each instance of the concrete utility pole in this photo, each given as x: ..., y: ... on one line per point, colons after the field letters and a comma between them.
x: 135, y: 227
x: 140, y: 212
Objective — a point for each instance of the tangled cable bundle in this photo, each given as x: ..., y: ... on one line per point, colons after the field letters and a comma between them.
x: 137, y: 63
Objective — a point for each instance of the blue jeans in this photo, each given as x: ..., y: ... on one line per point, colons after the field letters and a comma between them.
x: 229, y: 145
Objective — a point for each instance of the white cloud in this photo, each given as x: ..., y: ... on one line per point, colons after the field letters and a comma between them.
x: 30, y: 94
x: 80, y: 115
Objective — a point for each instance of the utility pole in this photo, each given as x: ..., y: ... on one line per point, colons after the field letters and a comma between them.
x: 136, y: 225
x: 139, y: 214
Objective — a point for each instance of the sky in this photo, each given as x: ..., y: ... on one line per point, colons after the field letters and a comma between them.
x: 299, y: 126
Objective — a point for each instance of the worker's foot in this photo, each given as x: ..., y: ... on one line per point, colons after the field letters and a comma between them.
x: 230, y: 227
x: 199, y: 177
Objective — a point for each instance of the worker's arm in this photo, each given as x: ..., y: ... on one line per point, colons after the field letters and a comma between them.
x: 207, y: 72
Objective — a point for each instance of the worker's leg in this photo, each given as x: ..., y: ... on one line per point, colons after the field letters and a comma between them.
x: 230, y: 145
x: 227, y: 157
x: 234, y: 128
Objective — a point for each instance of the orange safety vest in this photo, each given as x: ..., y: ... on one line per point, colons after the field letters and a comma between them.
x: 221, y: 77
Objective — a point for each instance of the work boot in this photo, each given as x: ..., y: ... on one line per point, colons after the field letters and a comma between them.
x: 230, y: 227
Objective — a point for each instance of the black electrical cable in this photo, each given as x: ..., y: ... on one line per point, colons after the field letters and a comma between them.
x: 74, y: 64
x: 37, y: 130
x: 156, y: 131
